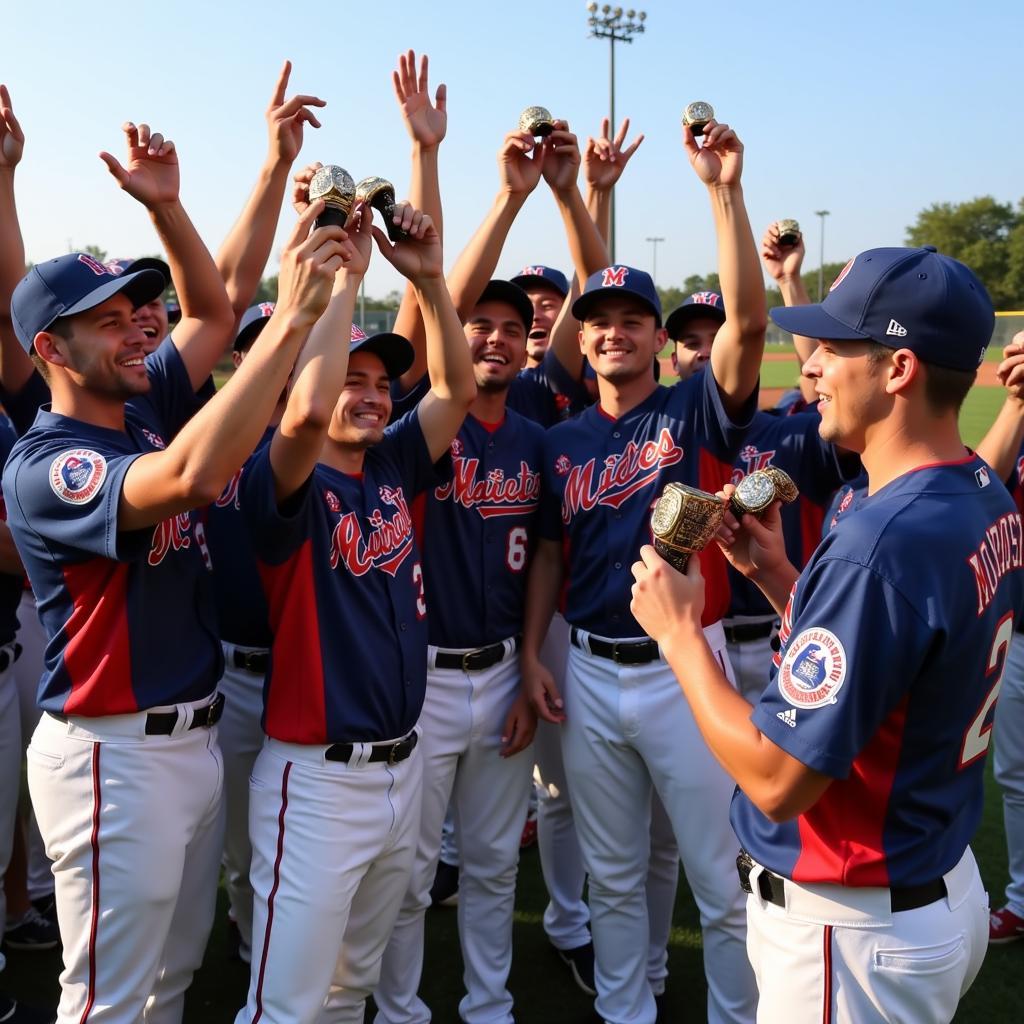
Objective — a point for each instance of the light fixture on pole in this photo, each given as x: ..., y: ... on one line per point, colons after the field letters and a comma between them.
x: 654, y: 240
x: 615, y: 25
x: 821, y: 259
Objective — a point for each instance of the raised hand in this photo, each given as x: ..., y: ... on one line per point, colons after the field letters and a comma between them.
x: 561, y: 158
x: 1011, y: 370
x: 666, y: 600
x: 417, y: 257
x: 520, y: 171
x: 719, y: 162
x: 285, y: 118
x: 753, y: 545
x: 781, y: 263
x: 152, y: 173
x: 12, y: 138
x: 300, y: 186
x: 309, y: 262
x: 605, y: 159
x: 425, y: 122
x: 359, y: 245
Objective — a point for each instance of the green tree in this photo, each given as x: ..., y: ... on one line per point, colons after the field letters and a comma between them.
x: 977, y: 232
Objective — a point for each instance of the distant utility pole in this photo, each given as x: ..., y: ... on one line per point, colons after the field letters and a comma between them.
x: 654, y: 240
x: 821, y: 260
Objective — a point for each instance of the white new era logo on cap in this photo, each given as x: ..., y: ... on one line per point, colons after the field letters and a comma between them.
x: 896, y: 329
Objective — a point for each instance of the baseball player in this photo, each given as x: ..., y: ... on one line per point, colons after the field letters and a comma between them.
x: 860, y: 770
x: 547, y: 289
x: 625, y: 730
x: 335, y: 793
x: 692, y: 327
x: 100, y: 491
x: 478, y: 529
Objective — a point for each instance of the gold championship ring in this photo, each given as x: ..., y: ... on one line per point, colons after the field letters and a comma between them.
x: 380, y: 194
x: 789, y: 233
x: 683, y: 521
x: 537, y: 121
x: 334, y: 185
x: 696, y: 116
x: 757, y: 491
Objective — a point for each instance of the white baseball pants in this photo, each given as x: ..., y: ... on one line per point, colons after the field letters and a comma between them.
x: 10, y: 777
x: 1008, y: 764
x: 462, y: 722
x: 134, y: 826
x: 332, y: 848
x: 839, y: 956
x: 629, y: 730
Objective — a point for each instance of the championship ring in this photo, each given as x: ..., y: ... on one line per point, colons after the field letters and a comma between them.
x: 789, y: 233
x: 683, y: 521
x: 537, y: 121
x: 756, y: 492
x: 696, y: 116
x: 334, y: 185
x: 380, y: 194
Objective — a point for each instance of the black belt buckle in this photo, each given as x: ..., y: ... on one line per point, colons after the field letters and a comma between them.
x: 252, y: 661
x: 634, y: 653
x: 214, y: 710
x: 478, y: 660
x: 744, y: 865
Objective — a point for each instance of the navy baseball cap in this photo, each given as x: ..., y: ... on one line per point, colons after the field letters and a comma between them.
x: 254, y: 319
x: 73, y: 284
x: 394, y: 351
x: 530, y: 276
x: 123, y: 266
x: 616, y: 281
x: 698, y: 306
x: 512, y: 295
x: 903, y: 298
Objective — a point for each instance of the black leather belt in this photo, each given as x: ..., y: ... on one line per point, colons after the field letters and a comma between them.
x: 744, y: 632
x: 162, y: 723
x: 473, y: 661
x: 390, y: 752
x: 252, y: 661
x: 622, y: 652
x: 772, y: 888
x: 7, y: 658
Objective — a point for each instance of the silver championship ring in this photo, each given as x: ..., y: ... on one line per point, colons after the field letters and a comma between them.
x: 696, y: 116
x: 683, y: 521
x: 334, y: 185
x: 789, y: 233
x: 537, y: 121
x: 757, y: 491
x: 380, y: 194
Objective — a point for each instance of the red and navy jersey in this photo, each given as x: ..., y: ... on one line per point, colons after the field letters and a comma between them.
x: 547, y: 394
x: 11, y: 585
x: 241, y: 606
x: 601, y: 478
x: 128, y: 615
x: 1015, y: 485
x: 792, y: 443
x: 343, y: 578
x: 844, y: 501
x: 478, y: 531
x: 893, y: 647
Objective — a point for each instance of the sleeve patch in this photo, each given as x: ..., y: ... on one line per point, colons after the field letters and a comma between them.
x: 76, y: 476
x: 813, y: 669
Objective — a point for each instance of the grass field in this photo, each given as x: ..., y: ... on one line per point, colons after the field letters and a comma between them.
x: 541, y: 986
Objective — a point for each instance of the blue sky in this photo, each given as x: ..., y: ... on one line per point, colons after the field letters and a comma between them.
x: 871, y: 110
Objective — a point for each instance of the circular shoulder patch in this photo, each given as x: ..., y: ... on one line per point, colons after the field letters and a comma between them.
x: 77, y: 475
x: 813, y: 669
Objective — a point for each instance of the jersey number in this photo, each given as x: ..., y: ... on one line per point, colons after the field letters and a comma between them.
x: 515, y: 551
x: 421, y: 597
x: 978, y: 735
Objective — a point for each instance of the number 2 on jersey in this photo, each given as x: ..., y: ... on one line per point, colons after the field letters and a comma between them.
x: 978, y: 735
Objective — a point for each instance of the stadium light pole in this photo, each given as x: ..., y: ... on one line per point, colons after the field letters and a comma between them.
x: 616, y: 26
x: 821, y: 259
x: 654, y: 240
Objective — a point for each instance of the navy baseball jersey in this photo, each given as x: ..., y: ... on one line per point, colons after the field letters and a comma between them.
x: 601, y: 477
x: 792, y: 443
x: 241, y: 605
x: 477, y: 529
x: 892, y: 652
x: 343, y: 578
x: 128, y: 615
x: 23, y: 405
x: 843, y: 501
x: 11, y: 585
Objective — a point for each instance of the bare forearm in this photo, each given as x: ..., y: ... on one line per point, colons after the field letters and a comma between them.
x: 777, y: 584
x: 243, y: 256
x: 586, y: 246
x: 795, y: 294
x: 599, y: 206
x: 15, y: 366
x: 448, y: 360
x: 542, y: 588
x: 476, y: 263
x: 1001, y: 445
x: 739, y: 348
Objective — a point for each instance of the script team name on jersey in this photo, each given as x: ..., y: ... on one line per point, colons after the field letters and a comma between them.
x: 494, y: 495
x: 623, y: 475
x: 754, y: 459
x: 1001, y: 551
x: 389, y: 541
